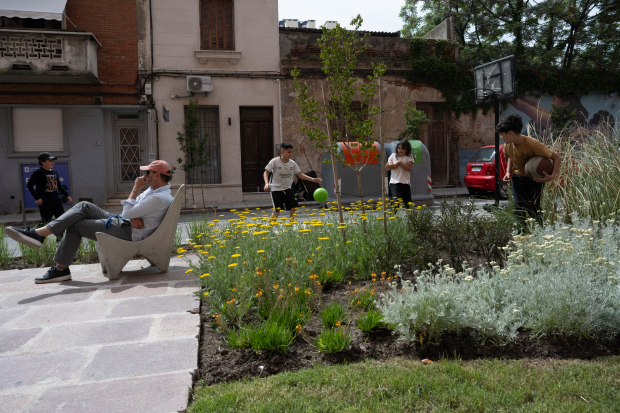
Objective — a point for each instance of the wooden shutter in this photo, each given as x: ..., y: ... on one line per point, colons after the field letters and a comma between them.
x: 217, y: 25
x: 37, y: 130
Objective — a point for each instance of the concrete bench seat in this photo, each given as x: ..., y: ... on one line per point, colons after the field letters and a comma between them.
x: 115, y: 253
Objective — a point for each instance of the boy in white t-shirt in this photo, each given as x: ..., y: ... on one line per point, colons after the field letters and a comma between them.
x: 400, y: 163
x: 283, y: 168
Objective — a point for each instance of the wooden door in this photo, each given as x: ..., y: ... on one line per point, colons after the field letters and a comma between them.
x: 256, y: 146
x: 434, y: 137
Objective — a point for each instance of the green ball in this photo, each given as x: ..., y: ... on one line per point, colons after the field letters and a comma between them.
x: 320, y: 195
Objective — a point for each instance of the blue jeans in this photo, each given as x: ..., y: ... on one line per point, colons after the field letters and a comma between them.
x: 526, y: 194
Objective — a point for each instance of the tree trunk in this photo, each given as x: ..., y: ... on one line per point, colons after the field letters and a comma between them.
x: 334, y: 167
x: 382, y: 158
x: 358, y: 172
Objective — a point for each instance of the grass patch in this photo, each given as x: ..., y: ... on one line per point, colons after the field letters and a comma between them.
x: 370, y: 321
x: 408, y: 386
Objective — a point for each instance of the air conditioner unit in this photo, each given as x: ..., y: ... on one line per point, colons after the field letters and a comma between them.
x: 199, y: 84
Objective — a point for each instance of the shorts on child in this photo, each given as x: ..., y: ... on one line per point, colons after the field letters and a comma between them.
x: 283, y: 200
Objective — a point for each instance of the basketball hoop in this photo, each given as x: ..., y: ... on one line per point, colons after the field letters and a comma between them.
x: 495, y: 81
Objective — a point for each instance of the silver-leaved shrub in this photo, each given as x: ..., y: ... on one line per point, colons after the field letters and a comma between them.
x: 558, y: 281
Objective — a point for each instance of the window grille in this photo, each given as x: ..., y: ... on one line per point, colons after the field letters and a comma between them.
x: 211, y: 170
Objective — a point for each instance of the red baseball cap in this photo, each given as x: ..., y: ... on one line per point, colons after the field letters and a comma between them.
x: 158, y: 166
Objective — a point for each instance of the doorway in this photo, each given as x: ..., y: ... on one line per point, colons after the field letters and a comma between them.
x: 434, y: 136
x: 256, y: 146
x: 129, y: 149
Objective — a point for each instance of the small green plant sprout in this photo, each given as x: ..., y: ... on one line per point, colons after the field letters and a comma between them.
x: 6, y: 253
x: 340, y: 51
x: 333, y: 340
x: 194, y: 146
x: 238, y: 337
x: 414, y: 120
x: 333, y: 315
x: 370, y: 321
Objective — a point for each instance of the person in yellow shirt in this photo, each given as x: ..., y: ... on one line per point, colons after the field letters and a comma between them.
x: 518, y: 149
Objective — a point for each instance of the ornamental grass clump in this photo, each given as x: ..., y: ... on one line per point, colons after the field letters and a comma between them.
x: 333, y: 315
x: 271, y: 336
x: 370, y: 321
x: 558, y: 281
x: 333, y: 340
x: 6, y: 253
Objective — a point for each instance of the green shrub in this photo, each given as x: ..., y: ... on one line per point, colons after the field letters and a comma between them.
x: 332, y: 340
x: 87, y: 251
x: 238, y: 337
x: 43, y: 256
x: 333, y: 314
x: 271, y: 336
x: 370, y: 321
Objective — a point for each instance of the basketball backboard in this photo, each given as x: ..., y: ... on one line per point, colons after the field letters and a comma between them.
x: 497, y: 77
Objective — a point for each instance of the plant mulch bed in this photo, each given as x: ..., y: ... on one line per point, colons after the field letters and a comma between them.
x: 219, y: 363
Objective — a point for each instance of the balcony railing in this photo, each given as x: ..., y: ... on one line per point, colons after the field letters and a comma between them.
x: 48, y: 56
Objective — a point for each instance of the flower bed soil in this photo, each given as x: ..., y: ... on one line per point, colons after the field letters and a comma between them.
x: 219, y: 363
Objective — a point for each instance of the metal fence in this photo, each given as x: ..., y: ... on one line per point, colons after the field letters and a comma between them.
x: 211, y: 171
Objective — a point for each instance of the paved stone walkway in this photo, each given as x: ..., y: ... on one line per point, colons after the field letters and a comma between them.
x: 94, y: 345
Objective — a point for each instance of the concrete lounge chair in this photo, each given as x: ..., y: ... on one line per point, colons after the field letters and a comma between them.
x: 115, y: 253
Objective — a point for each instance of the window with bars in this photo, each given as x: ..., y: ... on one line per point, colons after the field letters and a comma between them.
x: 217, y: 25
x: 210, y: 171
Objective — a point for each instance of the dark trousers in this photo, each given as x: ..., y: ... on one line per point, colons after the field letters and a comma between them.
x: 402, y: 191
x: 526, y: 194
x: 51, y: 207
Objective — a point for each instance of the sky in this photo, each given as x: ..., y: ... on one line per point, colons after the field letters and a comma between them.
x: 379, y: 16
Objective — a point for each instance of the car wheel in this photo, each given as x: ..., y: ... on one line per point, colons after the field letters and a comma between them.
x: 503, y: 190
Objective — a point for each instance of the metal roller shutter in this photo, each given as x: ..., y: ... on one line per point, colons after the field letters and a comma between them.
x: 37, y: 130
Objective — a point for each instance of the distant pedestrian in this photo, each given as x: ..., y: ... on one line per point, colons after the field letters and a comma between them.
x: 400, y: 163
x: 518, y: 149
x: 282, y: 170
x: 44, y: 186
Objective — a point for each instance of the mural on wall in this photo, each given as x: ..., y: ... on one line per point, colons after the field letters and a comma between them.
x: 592, y: 111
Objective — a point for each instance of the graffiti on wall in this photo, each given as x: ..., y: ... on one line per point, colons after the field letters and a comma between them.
x: 593, y: 111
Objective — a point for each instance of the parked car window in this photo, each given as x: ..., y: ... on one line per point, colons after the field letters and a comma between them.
x: 483, y: 155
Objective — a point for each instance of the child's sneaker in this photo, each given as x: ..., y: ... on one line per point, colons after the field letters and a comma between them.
x: 54, y: 275
x: 27, y: 237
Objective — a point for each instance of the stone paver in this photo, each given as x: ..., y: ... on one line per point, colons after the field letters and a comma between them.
x: 29, y: 369
x: 9, y: 314
x: 145, y: 394
x: 143, y: 290
x: 127, y: 360
x: 11, y: 403
x: 95, y: 345
x: 178, y: 325
x: 13, y: 339
x: 46, y: 316
x: 87, y: 334
x: 154, y: 305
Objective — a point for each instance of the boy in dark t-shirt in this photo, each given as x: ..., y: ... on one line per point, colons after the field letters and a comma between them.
x: 44, y: 186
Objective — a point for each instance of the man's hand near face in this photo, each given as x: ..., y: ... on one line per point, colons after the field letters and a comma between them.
x: 136, y: 223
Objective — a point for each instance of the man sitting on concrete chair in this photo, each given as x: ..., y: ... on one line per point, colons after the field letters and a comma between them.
x: 140, y: 218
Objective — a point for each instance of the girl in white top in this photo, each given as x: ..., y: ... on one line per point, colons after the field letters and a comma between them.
x: 400, y: 163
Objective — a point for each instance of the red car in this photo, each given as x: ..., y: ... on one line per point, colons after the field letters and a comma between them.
x: 480, y: 175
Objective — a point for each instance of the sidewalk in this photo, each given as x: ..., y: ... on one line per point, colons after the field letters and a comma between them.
x: 94, y: 345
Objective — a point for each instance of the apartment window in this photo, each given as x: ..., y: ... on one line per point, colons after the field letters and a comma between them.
x: 217, y: 25
x: 37, y: 130
x: 210, y: 171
